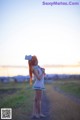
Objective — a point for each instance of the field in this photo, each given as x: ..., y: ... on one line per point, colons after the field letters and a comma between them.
x: 19, y: 97
x: 71, y: 87
x: 63, y: 99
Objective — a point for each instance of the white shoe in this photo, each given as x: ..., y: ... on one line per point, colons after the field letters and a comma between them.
x: 42, y: 115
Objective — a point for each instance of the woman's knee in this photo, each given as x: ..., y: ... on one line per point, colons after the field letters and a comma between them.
x: 38, y: 95
x: 37, y: 99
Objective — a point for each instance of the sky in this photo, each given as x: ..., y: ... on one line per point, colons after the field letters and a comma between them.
x: 52, y: 33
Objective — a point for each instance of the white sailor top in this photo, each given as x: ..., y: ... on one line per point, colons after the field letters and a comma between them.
x: 38, y: 84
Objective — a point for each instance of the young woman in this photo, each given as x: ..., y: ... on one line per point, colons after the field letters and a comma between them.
x: 38, y: 85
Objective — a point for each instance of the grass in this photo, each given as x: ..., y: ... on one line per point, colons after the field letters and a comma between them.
x: 19, y: 97
x: 69, y: 86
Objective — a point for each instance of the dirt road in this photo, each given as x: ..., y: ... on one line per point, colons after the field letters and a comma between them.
x: 61, y: 106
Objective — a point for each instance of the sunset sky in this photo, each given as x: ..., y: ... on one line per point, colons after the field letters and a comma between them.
x: 52, y: 33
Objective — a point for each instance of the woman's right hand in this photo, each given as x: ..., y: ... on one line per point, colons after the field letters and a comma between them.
x: 43, y: 70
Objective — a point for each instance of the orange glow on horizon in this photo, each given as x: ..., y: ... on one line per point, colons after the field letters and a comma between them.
x: 54, y: 69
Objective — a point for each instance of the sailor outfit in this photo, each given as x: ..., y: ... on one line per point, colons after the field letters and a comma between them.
x: 38, y: 84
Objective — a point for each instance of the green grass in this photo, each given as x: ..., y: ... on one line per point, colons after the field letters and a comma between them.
x: 69, y: 86
x: 20, y: 99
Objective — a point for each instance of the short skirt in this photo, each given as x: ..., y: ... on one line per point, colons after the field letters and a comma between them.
x: 38, y: 88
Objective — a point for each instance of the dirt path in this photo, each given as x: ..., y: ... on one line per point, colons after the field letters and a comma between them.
x: 61, y: 106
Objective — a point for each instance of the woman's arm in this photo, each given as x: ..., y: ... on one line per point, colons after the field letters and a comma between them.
x: 35, y: 72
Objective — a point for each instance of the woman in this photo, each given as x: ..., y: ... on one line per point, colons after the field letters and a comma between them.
x: 38, y: 85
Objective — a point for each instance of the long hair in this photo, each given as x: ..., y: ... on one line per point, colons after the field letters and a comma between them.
x: 31, y: 63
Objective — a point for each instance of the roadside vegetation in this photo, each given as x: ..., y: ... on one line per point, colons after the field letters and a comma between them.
x: 19, y: 97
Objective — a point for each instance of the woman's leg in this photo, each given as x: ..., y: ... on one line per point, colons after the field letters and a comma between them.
x: 34, y: 108
x: 37, y: 102
x: 34, y: 104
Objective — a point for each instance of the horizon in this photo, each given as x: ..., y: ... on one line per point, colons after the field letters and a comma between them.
x: 54, y: 69
x: 45, y: 65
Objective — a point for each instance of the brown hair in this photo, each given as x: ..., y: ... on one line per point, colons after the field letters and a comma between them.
x: 31, y: 63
